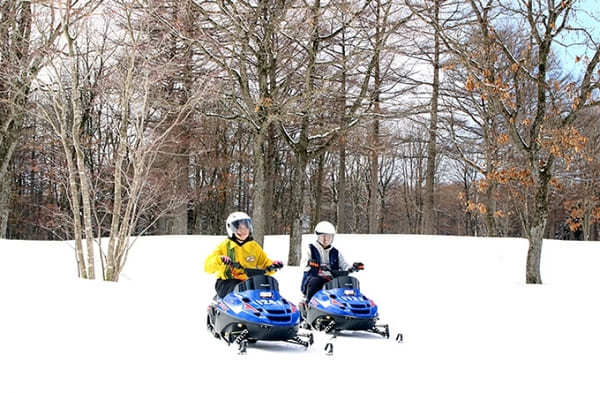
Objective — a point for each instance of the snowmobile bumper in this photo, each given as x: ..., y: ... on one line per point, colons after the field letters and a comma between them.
x: 318, y: 319
x: 228, y: 327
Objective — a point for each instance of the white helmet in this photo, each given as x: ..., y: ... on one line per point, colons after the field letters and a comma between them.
x: 325, y: 228
x: 235, y: 219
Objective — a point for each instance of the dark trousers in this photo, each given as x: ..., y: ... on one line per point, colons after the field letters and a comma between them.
x: 313, y: 285
x: 223, y: 287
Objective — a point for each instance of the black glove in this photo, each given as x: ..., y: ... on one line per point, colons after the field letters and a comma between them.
x: 276, y: 265
x: 356, y: 266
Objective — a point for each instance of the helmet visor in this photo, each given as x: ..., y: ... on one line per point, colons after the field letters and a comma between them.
x: 243, y: 224
x: 325, y: 238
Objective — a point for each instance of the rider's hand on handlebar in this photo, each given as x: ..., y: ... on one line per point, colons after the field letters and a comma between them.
x: 356, y: 266
x: 325, y: 273
x: 275, y: 266
x: 313, y: 264
x: 227, y: 261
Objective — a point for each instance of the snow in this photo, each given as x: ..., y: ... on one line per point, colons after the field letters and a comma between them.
x: 470, y: 324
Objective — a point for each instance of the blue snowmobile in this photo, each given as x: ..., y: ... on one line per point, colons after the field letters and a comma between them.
x: 255, y: 311
x: 340, y: 305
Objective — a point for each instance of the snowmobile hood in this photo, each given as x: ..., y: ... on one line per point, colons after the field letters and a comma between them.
x: 344, y: 302
x: 258, y: 306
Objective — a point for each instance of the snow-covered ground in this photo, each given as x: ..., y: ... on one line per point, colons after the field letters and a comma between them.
x: 470, y: 324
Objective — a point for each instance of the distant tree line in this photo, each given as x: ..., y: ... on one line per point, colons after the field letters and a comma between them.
x: 447, y: 117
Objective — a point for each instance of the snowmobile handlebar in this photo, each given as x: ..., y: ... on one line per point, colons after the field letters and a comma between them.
x: 338, y: 273
x: 256, y: 272
x: 357, y: 266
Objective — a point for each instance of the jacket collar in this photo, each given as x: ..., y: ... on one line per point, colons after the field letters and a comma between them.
x: 240, y: 242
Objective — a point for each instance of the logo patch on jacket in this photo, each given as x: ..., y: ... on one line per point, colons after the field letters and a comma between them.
x: 250, y: 259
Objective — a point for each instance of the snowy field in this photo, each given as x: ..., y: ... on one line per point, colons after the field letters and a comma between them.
x: 470, y: 324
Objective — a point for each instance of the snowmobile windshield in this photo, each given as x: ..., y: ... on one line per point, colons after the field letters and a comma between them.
x: 244, y: 223
x: 263, y: 283
x: 345, y: 282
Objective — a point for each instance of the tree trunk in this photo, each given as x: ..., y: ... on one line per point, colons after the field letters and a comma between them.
x: 341, y: 211
x: 373, y: 188
x: 491, y: 210
x: 428, y: 206
x: 180, y: 215
x: 298, y: 191
x: 374, y: 160
x: 258, y: 189
x: 586, y: 225
x: 534, y: 252
x: 382, y: 213
x: 8, y: 143
x: 15, y: 35
x: 374, y: 156
x: 87, y: 208
x: 537, y: 229
x: 264, y: 72
x: 301, y: 151
x: 76, y: 130
x: 318, y: 190
x: 342, y: 219
x: 270, y: 172
x: 110, y: 270
x: 5, y: 193
x: 75, y: 206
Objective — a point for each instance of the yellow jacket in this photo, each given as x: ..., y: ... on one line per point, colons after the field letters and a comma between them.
x: 249, y: 255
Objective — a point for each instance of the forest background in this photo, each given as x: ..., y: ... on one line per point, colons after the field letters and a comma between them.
x: 121, y: 118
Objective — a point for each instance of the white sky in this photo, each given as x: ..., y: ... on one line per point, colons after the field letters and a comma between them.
x: 470, y: 323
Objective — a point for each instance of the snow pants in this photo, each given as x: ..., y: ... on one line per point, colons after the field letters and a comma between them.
x: 223, y: 287
x: 314, y: 285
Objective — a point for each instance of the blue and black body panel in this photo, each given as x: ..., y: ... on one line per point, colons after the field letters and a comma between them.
x: 341, y: 300
x: 257, y: 306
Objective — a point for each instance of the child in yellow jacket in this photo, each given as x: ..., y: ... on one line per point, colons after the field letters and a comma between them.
x: 239, y: 247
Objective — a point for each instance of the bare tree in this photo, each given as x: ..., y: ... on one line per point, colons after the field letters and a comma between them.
x: 428, y: 212
x: 431, y: 13
x: 387, y: 21
x: 306, y: 133
x: 540, y: 129
x: 28, y: 32
x: 140, y: 135
x: 240, y: 40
